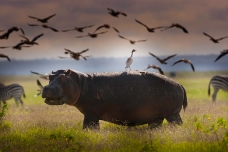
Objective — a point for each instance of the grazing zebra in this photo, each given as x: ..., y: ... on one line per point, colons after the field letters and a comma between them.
x: 12, y: 91
x: 218, y: 82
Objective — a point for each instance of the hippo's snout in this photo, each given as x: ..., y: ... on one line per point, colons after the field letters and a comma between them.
x: 51, y: 92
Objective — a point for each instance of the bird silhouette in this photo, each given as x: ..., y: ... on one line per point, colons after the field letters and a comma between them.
x: 79, y: 29
x: 213, y: 39
x: 39, y: 90
x: 32, y: 42
x: 45, y: 26
x: 177, y: 26
x: 92, y: 35
x: 155, y: 67
x: 43, y: 20
x: 115, y: 13
x: 10, y: 30
x: 75, y: 55
x: 185, y: 61
x: 131, y: 41
x: 162, y: 61
x: 129, y: 60
x: 5, y: 56
x: 46, y: 76
x: 148, y: 28
x: 106, y: 26
x: 17, y: 47
x: 224, y: 52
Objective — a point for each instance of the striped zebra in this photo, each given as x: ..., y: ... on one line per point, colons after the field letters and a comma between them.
x: 12, y: 91
x: 218, y: 82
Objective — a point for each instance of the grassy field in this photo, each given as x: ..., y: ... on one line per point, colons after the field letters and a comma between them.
x: 40, y: 127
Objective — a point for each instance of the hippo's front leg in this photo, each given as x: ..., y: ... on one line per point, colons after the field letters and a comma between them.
x: 91, y: 121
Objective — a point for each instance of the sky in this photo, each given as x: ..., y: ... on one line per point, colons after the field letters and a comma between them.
x: 209, y: 16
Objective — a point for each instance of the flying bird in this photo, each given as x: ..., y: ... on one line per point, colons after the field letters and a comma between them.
x: 46, y: 76
x: 163, y: 61
x: 39, y: 90
x: 31, y: 42
x: 17, y: 47
x: 155, y: 67
x: 45, y: 26
x: 5, y: 56
x: 131, y: 41
x: 177, y: 26
x: 185, y: 61
x: 115, y: 13
x: 76, y: 55
x: 129, y: 60
x: 106, y: 26
x: 79, y: 29
x: 213, y: 39
x: 9, y: 31
x: 224, y: 52
x: 43, y: 20
x: 92, y: 35
x: 148, y: 28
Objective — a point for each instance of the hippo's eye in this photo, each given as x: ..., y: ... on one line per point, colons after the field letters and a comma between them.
x: 62, y: 77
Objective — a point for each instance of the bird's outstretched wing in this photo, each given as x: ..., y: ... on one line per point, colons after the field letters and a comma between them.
x: 169, y: 57
x: 53, y: 29
x: 123, y: 37
x: 37, y: 73
x: 221, y: 55
x: 83, y: 51
x: 5, y: 56
x: 85, y: 57
x: 33, y: 17
x: 24, y: 37
x: 38, y: 36
x: 141, y: 41
x: 99, y: 28
x: 208, y: 35
x: 141, y: 23
x: 222, y: 38
x: 22, y: 31
x: 102, y: 32
x: 39, y: 84
x: 33, y: 24
x: 69, y: 51
x: 116, y: 30
x: 192, y: 66
x: 181, y: 27
x: 82, y: 36
x: 47, y: 18
x: 181, y: 60
x: 155, y: 56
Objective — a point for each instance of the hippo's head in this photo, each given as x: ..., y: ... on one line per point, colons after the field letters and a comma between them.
x: 63, y: 87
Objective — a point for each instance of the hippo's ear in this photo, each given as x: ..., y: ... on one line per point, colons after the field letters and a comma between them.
x: 68, y: 72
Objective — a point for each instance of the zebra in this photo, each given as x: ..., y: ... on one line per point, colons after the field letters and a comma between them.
x: 218, y: 82
x: 12, y: 91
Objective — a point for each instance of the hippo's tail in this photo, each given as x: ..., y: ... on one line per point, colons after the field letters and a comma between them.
x: 185, y: 103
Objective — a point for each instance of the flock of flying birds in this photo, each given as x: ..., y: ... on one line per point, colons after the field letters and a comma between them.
x: 26, y: 42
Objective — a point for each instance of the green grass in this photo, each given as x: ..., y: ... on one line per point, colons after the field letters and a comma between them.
x: 40, y: 127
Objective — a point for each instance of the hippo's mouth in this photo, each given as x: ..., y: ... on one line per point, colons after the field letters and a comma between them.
x: 57, y: 101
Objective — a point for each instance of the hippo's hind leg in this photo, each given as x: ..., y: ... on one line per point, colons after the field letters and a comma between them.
x: 91, y: 121
x: 155, y: 123
x: 174, y: 119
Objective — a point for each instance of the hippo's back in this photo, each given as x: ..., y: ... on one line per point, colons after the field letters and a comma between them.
x: 133, y: 96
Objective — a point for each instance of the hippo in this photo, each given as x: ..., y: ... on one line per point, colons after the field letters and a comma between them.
x: 127, y: 98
